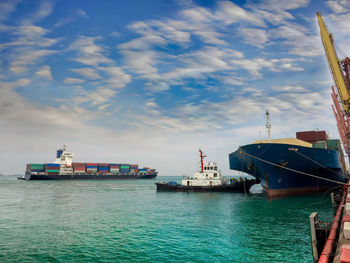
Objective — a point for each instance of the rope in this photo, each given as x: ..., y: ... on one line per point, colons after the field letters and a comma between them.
x: 317, y: 163
x: 293, y: 170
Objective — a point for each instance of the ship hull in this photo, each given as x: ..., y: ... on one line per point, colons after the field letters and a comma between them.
x: 242, y: 186
x: 286, y: 169
x: 88, y: 176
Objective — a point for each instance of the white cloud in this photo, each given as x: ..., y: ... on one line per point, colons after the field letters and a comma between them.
x: 298, y: 39
x: 89, y: 73
x: 79, y: 13
x: 254, y: 36
x: 142, y: 62
x: 73, y: 81
x: 7, y: 7
x: 275, y: 18
x: 27, y: 57
x: 280, y: 5
x: 44, y: 10
x: 117, y: 78
x: 230, y: 13
x: 339, y: 6
x: 44, y: 72
x: 98, y: 97
x: 89, y: 53
x: 157, y: 87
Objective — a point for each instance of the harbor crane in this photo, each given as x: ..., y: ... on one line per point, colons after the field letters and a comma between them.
x: 340, y: 70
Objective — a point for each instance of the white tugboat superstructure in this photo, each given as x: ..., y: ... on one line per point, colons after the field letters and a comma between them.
x: 207, y: 175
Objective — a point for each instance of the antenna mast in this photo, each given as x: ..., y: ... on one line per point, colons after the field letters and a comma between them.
x: 202, y: 157
x: 268, y: 125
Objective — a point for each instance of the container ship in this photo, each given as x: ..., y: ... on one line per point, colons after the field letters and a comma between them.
x: 65, y: 169
x: 310, y: 162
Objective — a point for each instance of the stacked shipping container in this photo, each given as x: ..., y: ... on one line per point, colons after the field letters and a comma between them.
x: 92, y: 168
x: 114, y: 168
x: 35, y: 167
x: 103, y: 167
x: 312, y: 136
x: 124, y: 168
x: 52, y: 168
x: 79, y: 167
x: 134, y: 168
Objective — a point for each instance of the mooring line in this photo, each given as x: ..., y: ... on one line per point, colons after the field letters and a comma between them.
x: 293, y: 170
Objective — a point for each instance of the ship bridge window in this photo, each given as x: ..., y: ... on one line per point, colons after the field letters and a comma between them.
x: 63, y: 158
x: 215, y: 174
x: 215, y: 168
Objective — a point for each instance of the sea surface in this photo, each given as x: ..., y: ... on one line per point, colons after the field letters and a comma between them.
x: 129, y: 221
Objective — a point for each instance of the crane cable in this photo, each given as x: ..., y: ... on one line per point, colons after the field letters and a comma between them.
x: 293, y: 170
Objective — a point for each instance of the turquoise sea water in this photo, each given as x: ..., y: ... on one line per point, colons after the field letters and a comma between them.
x: 129, y: 221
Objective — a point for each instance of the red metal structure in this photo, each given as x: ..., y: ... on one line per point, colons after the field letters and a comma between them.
x: 343, y: 122
x: 202, y: 157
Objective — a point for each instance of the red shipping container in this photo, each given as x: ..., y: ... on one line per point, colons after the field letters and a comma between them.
x: 91, y: 164
x: 78, y: 164
x: 312, y: 136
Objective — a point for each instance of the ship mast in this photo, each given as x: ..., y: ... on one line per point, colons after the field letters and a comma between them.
x: 268, y: 125
x: 202, y: 157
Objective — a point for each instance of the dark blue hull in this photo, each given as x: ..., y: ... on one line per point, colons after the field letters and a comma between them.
x: 88, y: 176
x: 286, y: 169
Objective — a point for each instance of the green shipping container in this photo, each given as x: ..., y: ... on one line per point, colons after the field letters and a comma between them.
x: 333, y: 144
x: 320, y: 144
x: 53, y: 171
x: 125, y: 167
x: 36, y: 165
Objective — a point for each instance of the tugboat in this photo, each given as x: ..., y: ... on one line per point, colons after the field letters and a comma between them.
x: 207, y: 179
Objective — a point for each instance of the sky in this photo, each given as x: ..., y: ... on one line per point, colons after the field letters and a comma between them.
x: 151, y: 82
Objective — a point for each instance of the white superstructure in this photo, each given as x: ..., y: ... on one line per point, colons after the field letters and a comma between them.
x: 65, y: 159
x: 208, y: 175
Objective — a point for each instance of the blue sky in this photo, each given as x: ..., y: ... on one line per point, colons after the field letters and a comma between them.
x: 150, y: 82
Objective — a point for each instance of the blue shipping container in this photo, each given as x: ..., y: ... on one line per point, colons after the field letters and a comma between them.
x: 52, y: 165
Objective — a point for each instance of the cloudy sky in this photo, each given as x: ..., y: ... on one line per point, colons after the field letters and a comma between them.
x: 151, y: 82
